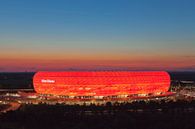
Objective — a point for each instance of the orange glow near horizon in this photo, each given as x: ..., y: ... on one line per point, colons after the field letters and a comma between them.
x: 35, y: 62
x: 34, y: 65
x: 124, y: 35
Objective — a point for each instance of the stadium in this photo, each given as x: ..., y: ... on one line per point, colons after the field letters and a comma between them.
x: 101, y: 84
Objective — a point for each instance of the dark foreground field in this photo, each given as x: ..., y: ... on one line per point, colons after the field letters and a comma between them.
x: 138, y: 115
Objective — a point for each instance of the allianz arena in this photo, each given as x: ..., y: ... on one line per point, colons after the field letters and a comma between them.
x: 102, y: 84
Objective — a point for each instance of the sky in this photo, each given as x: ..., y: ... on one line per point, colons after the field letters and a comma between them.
x: 57, y: 35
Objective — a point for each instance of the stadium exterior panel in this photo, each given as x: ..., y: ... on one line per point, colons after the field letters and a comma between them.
x: 108, y: 83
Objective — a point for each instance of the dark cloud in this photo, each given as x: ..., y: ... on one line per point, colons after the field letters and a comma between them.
x: 189, y: 56
x: 1, y: 68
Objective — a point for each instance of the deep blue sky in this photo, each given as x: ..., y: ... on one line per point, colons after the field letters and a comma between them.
x: 157, y: 34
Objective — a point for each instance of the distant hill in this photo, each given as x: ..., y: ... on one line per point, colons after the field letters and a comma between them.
x: 187, y: 76
x: 16, y: 80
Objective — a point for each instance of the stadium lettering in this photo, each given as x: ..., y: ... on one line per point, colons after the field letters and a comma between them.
x: 47, y: 81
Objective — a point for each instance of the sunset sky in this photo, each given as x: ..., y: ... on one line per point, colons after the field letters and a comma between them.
x: 97, y: 35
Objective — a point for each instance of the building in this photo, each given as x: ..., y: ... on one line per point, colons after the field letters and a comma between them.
x: 102, y: 84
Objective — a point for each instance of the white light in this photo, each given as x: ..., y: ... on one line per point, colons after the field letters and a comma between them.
x: 47, y: 81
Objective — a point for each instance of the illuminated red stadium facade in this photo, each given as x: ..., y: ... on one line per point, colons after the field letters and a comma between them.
x: 101, y: 83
